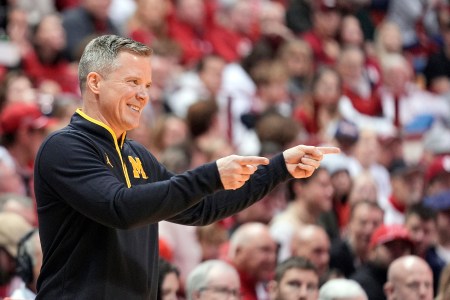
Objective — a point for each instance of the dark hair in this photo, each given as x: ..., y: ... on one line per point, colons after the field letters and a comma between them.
x: 164, y: 269
x: 372, y: 205
x: 294, y: 262
x: 302, y: 181
x: 424, y: 212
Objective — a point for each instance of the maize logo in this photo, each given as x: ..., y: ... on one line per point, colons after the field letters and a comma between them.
x: 138, y: 170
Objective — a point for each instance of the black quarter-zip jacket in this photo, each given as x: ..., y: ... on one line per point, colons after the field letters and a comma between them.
x: 99, y: 201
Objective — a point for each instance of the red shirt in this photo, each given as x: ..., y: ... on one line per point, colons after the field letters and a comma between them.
x: 59, y: 72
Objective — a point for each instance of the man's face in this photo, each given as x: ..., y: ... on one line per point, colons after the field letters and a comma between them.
x: 423, y: 232
x: 363, y: 223
x: 124, y: 92
x: 296, y: 284
x: 258, y: 257
x: 319, y: 191
x: 317, y: 250
x: 413, y: 286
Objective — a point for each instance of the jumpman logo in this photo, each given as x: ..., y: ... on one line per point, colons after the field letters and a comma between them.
x: 108, y: 162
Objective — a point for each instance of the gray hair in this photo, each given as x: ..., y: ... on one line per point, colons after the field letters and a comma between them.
x: 341, y: 288
x: 100, y: 55
x: 199, y: 277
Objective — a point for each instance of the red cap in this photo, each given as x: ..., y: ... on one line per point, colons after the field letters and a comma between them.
x: 18, y: 114
x: 439, y: 166
x: 388, y: 233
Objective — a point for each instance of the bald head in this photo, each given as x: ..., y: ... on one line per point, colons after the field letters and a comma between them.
x: 253, y: 251
x: 409, y: 277
x: 312, y: 242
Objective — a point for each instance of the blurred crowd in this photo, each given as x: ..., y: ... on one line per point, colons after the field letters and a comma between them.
x: 254, y: 77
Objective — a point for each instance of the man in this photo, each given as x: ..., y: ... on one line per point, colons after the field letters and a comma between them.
x: 349, y: 253
x: 252, y: 251
x: 407, y: 183
x: 100, y: 196
x: 421, y: 224
x: 438, y: 255
x: 295, y: 278
x: 311, y: 198
x: 23, y: 128
x: 388, y: 242
x: 213, y: 279
x: 409, y: 277
x: 312, y: 242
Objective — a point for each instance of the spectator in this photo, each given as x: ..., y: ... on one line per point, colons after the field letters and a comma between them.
x: 322, y: 37
x: 237, y: 29
x: 296, y: 55
x: 437, y: 175
x: 13, y: 228
x: 408, y: 107
x: 312, y: 242
x: 438, y: 255
x: 148, y: 24
x: 24, y: 127
x: 421, y: 224
x: 318, y: 111
x: 310, y: 198
x: 213, y: 279
x: 407, y: 183
x: 342, y: 289
x: 202, y: 83
x: 29, y: 262
x: 409, y: 277
x: 84, y: 22
x: 388, y: 242
x: 252, y: 252
x: 168, y: 281
x: 295, y: 278
x: 352, y: 251
x: 45, y: 64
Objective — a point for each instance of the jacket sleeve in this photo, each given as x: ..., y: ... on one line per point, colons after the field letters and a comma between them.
x: 228, y: 202
x: 70, y: 171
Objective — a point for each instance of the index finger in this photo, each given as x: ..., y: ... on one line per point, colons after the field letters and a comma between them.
x: 253, y: 160
x: 329, y: 150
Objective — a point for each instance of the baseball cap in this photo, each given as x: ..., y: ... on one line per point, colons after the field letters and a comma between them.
x: 13, y: 228
x: 439, y: 165
x: 387, y: 233
x: 16, y: 115
x: 346, y: 132
x: 438, y: 202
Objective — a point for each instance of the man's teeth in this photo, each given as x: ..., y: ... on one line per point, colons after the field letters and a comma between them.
x: 136, y: 108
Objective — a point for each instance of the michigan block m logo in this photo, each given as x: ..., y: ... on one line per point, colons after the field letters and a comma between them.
x: 138, y: 170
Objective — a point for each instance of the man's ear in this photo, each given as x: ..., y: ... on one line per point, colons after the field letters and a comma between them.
x: 388, y: 288
x: 92, y: 82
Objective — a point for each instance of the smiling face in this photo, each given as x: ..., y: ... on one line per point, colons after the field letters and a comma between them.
x: 121, y: 95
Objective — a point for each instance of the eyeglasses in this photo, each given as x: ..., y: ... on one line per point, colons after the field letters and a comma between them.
x: 224, y: 292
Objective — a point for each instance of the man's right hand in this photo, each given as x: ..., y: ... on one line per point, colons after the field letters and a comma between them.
x: 235, y: 170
